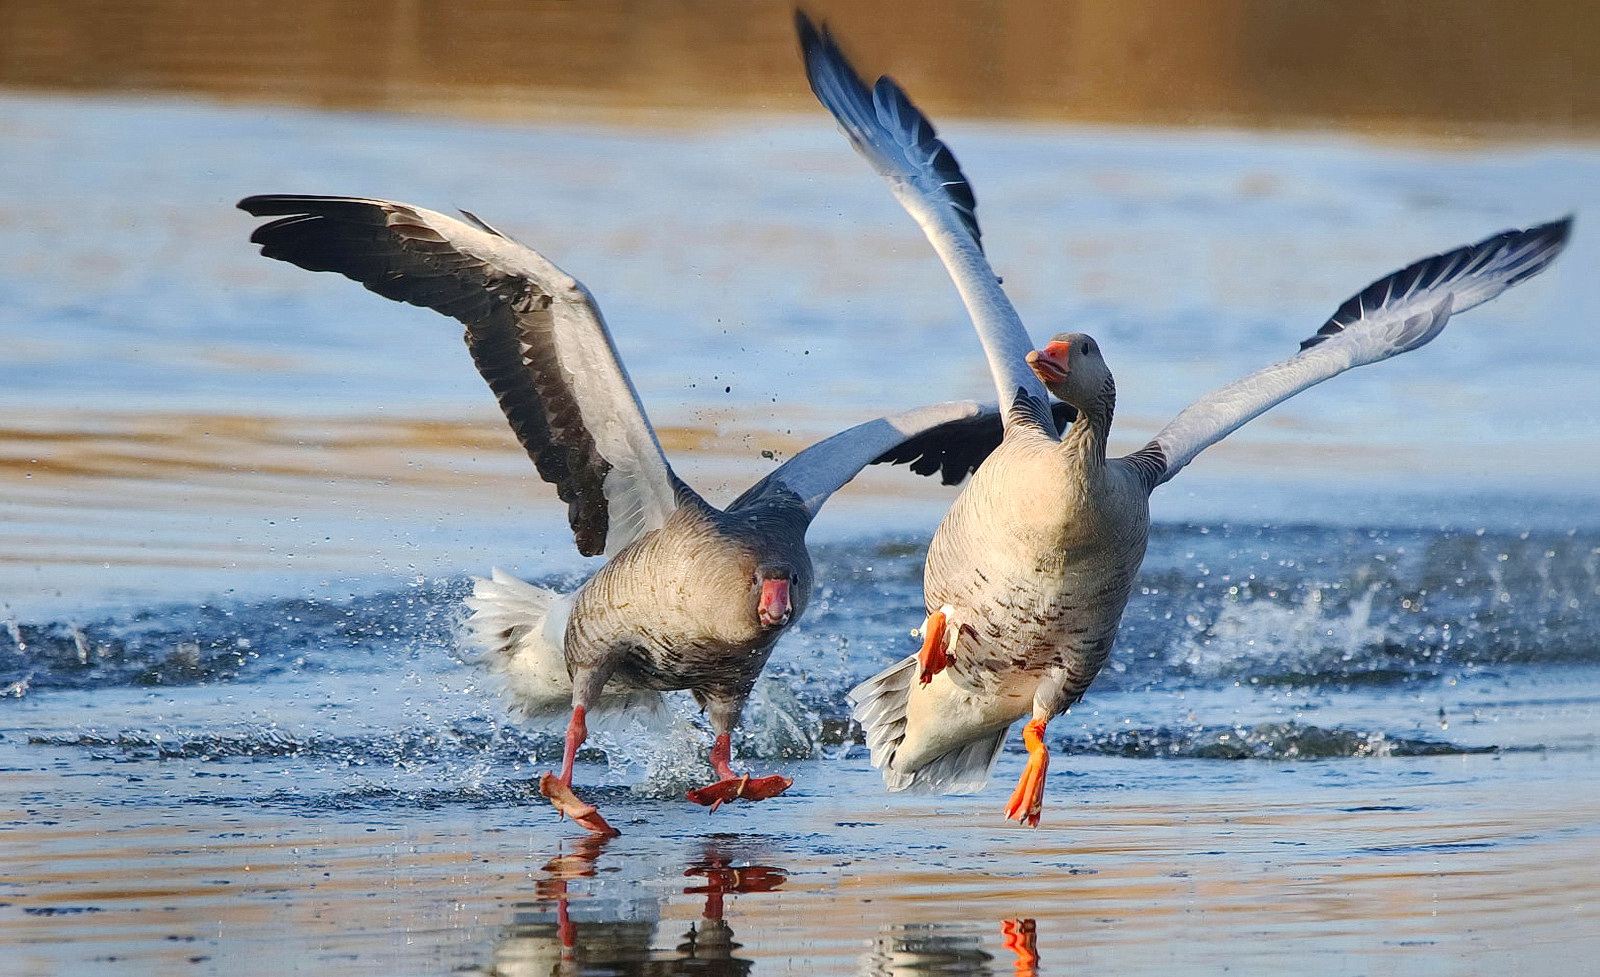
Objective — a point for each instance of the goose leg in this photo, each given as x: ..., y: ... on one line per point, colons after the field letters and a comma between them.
x: 1028, y: 799
x: 729, y: 785
x: 558, y: 790
x: 577, y: 733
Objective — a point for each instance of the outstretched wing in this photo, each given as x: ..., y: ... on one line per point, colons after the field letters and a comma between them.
x: 955, y: 449
x: 1388, y: 317
x: 824, y: 467
x: 950, y: 440
x: 900, y: 143
x: 534, y: 333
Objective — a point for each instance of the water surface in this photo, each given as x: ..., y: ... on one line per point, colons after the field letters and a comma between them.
x: 1349, y: 727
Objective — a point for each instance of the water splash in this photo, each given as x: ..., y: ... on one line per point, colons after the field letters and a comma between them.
x: 1262, y: 741
x: 366, y: 701
x: 1324, y: 607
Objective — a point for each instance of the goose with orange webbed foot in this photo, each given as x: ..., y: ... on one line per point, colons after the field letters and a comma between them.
x: 693, y: 597
x: 1029, y: 572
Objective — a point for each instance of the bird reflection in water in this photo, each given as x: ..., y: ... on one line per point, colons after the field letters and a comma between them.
x: 1020, y: 936
x: 713, y: 938
x: 591, y: 934
x: 908, y: 949
x: 553, y: 887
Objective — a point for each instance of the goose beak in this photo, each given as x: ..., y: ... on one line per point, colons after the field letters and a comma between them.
x: 774, y: 608
x: 1050, y: 364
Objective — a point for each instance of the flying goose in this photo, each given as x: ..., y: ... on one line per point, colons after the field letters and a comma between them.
x: 692, y: 597
x: 1029, y: 571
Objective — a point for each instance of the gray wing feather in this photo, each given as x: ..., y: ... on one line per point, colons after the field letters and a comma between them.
x: 955, y: 449
x: 535, y: 335
x: 1393, y: 315
x: 901, y: 144
x: 824, y: 467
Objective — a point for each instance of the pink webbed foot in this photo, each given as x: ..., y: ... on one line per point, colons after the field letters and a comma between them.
x: 746, y: 788
x: 561, y: 797
x: 733, y: 787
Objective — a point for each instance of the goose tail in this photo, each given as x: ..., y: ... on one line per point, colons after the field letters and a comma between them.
x: 517, y: 631
x: 882, y: 706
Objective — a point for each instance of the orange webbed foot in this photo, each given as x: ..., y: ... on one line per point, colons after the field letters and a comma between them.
x: 937, y: 639
x: 561, y: 797
x: 740, y: 788
x: 1028, y: 799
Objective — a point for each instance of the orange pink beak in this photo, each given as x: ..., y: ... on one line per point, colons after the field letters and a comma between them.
x: 1050, y: 364
x: 774, y: 609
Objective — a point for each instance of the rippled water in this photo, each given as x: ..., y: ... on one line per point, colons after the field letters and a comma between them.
x: 1345, y: 745
x: 1350, y: 726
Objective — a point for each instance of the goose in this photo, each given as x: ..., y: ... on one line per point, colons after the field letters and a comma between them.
x: 691, y: 596
x: 1027, y: 575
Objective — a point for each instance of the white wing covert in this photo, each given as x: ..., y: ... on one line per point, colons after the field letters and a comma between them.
x: 534, y: 332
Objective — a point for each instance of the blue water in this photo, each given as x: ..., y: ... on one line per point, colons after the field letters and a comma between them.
x: 765, y: 245
x: 1271, y: 625
x: 240, y: 504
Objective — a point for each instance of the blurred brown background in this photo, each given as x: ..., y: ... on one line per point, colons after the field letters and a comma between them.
x: 1494, y: 68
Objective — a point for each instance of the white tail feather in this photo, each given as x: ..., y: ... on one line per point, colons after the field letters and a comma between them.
x: 880, y: 705
x: 963, y: 770
x: 519, y: 631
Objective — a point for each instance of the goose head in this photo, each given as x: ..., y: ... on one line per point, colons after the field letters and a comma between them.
x: 770, y: 587
x: 1072, y: 369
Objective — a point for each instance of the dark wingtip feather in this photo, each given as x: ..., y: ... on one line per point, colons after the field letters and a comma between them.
x: 806, y: 29
x: 1516, y: 255
x: 883, y: 108
x: 280, y: 204
x: 1549, y: 238
x: 267, y: 204
x: 955, y: 449
x: 887, y: 93
x: 1556, y: 232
